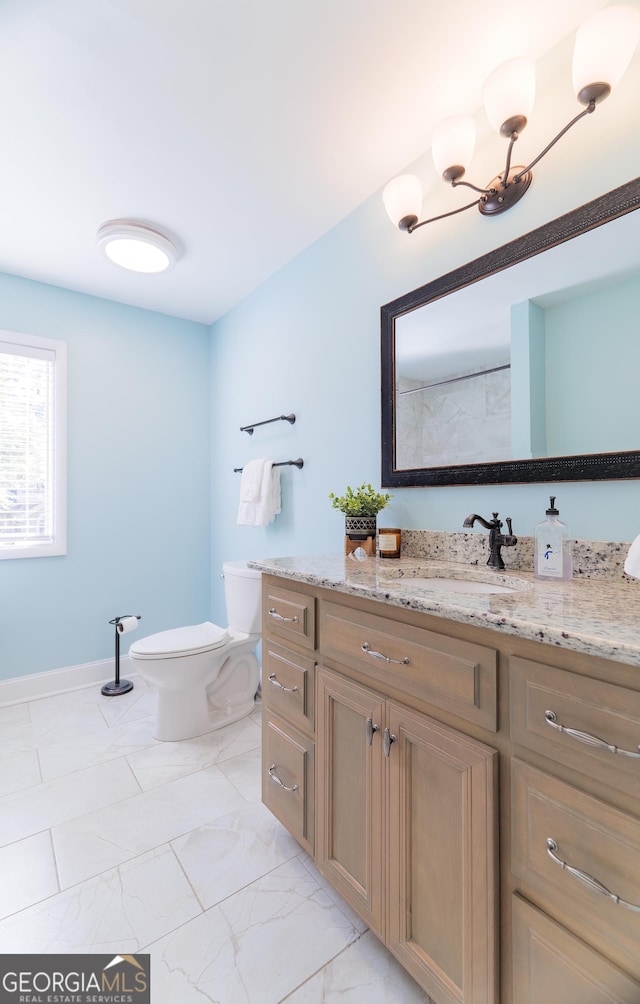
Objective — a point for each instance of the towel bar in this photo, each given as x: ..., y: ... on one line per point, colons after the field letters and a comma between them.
x: 299, y: 463
x: 280, y: 418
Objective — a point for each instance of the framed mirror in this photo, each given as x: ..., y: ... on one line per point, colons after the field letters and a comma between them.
x: 522, y: 365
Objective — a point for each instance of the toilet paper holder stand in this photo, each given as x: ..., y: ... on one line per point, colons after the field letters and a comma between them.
x: 119, y: 686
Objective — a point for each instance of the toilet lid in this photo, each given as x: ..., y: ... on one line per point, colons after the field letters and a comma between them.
x: 181, y: 641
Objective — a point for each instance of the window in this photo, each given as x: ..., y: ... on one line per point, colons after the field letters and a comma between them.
x: 32, y: 446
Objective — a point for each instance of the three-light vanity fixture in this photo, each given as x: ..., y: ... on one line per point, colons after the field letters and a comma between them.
x: 603, y: 49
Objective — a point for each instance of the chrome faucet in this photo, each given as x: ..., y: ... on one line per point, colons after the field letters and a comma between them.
x: 497, y: 540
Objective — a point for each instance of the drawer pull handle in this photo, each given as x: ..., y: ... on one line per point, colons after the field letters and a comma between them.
x: 278, y: 617
x: 586, y: 879
x: 366, y: 648
x: 288, y: 690
x: 370, y: 729
x: 276, y: 780
x: 387, y: 741
x: 584, y: 737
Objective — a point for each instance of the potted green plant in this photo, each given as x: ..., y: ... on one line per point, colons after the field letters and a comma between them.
x: 360, y: 507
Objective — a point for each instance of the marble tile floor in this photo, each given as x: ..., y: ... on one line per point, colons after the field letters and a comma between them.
x: 113, y: 842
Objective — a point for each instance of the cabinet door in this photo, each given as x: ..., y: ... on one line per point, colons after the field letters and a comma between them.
x: 594, y: 847
x: 349, y: 827
x: 288, y: 778
x: 288, y: 685
x: 289, y: 614
x: 442, y: 858
x: 551, y: 965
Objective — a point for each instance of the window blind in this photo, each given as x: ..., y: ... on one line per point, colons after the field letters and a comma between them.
x: 27, y: 445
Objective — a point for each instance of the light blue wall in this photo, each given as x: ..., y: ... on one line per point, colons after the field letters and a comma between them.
x: 138, y: 481
x: 308, y: 341
x: 593, y: 354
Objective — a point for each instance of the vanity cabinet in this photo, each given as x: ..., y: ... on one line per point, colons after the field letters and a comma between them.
x: 574, y: 854
x: 406, y: 832
x: 474, y: 796
x: 288, y: 695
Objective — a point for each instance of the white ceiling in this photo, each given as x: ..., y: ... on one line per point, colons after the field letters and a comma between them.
x: 244, y: 128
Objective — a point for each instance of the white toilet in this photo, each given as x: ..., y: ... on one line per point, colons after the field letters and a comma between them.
x: 206, y: 676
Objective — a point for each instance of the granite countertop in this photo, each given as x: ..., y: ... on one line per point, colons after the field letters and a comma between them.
x: 594, y: 616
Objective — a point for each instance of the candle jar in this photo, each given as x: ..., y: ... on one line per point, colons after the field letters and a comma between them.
x: 389, y: 542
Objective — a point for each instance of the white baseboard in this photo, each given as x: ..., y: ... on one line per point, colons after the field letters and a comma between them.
x: 60, y: 681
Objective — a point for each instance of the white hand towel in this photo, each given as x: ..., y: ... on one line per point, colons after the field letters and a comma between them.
x: 250, y: 490
x: 632, y: 561
x: 270, y: 497
x: 251, y: 481
x: 264, y: 509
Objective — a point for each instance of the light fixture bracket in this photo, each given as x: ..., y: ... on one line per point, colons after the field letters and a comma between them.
x: 503, y: 197
x: 515, y: 124
x: 453, y: 174
x: 594, y: 93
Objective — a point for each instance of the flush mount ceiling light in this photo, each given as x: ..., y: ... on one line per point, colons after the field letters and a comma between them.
x: 136, y: 246
x: 603, y: 49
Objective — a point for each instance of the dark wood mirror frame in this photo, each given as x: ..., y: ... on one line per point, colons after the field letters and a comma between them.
x: 586, y: 467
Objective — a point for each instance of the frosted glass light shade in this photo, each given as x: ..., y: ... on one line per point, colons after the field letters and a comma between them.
x: 402, y: 198
x: 509, y: 92
x: 136, y: 246
x: 452, y: 143
x: 604, y: 46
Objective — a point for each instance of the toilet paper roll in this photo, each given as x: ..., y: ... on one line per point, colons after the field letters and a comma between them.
x: 127, y: 624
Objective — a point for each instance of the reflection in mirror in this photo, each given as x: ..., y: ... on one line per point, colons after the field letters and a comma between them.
x: 521, y: 371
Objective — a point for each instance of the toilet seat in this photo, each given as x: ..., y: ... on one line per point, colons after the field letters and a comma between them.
x: 191, y: 640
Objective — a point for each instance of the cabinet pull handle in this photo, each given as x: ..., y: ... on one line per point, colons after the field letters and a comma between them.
x: 584, y: 737
x: 586, y: 879
x: 366, y: 648
x: 370, y: 729
x: 387, y: 741
x: 288, y: 690
x: 278, y: 617
x: 276, y: 780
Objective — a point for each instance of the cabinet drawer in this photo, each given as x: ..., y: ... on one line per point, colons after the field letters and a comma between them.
x: 551, y: 965
x: 288, y: 684
x: 289, y: 614
x: 288, y: 779
x: 590, y: 836
x: 457, y: 676
x: 596, y: 708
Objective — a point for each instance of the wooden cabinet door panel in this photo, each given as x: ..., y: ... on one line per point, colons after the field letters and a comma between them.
x: 443, y: 858
x: 349, y: 850
x: 551, y: 966
x: 289, y: 614
x: 545, y: 698
x: 288, y: 779
x: 591, y: 836
x: 288, y: 684
x: 447, y: 672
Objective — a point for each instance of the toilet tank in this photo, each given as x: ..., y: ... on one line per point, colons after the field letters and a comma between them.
x: 243, y: 597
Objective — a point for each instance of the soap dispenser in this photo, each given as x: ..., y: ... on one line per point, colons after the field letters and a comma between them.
x: 552, y: 548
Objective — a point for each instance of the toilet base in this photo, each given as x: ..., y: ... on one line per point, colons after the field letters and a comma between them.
x: 184, y: 721
x: 190, y: 712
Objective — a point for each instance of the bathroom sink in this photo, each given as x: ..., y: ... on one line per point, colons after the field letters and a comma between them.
x: 444, y: 584
x: 445, y: 580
